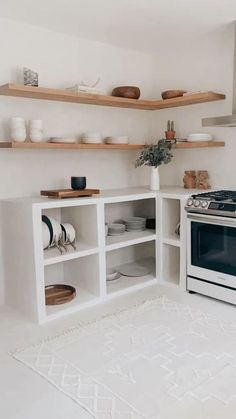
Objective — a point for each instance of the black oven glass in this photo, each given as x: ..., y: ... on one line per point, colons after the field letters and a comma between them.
x: 213, y: 247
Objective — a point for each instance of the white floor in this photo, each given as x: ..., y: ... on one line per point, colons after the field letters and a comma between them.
x: 25, y: 395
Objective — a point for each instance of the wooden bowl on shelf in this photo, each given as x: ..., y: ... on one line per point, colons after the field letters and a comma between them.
x: 170, y: 94
x: 130, y: 92
x: 59, y: 294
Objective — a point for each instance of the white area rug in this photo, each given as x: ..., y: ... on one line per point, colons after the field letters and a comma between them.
x: 160, y: 359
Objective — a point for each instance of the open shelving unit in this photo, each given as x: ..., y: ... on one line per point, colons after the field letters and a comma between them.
x: 85, y: 267
x: 60, y: 95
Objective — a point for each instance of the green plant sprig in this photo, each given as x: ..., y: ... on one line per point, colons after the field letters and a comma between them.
x: 155, y: 154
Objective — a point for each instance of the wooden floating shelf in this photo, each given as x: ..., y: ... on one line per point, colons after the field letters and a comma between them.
x: 53, y: 146
x: 94, y: 99
x: 200, y: 144
x: 74, y: 146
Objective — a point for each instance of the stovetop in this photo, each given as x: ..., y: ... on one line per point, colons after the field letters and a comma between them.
x: 223, y: 195
x: 221, y: 203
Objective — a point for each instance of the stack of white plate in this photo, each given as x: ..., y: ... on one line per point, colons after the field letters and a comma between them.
x: 91, y: 138
x: 199, y: 137
x: 119, y: 139
x: 62, y: 140
x: 116, y: 229
x: 135, y: 224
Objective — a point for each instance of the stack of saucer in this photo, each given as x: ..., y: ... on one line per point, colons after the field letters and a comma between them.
x: 135, y: 224
x: 119, y: 139
x: 116, y: 229
x: 91, y: 138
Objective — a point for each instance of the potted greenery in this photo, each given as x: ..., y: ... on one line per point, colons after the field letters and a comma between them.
x: 154, y: 155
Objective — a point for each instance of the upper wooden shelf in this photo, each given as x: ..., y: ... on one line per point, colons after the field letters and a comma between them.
x: 92, y: 99
x: 77, y: 146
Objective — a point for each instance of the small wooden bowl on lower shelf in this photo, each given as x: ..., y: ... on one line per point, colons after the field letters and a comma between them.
x: 59, y: 294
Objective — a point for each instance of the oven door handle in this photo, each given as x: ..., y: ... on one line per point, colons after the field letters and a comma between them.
x: 221, y: 221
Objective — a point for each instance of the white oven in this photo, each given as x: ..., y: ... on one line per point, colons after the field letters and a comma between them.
x: 211, y: 256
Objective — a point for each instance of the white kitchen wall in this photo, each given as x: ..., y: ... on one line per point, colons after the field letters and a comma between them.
x: 62, y: 61
x: 204, y: 65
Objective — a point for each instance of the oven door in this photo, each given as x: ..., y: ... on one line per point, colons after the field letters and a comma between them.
x: 211, y: 249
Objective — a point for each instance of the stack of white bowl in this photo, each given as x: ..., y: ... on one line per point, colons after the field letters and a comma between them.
x: 91, y: 138
x: 36, y: 130
x: 116, y: 229
x: 135, y: 224
x: 18, y: 129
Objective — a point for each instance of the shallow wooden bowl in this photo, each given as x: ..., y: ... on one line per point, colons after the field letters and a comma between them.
x: 130, y: 92
x: 59, y: 294
x: 170, y: 94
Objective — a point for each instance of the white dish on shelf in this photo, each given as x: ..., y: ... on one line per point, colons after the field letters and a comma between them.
x: 91, y: 135
x: 135, y: 220
x: 121, y: 139
x: 135, y: 224
x: 112, y: 275
x: 199, y: 137
x: 116, y: 229
x: 68, y: 233
x: 62, y: 140
x: 46, y: 235
x: 134, y: 270
x: 92, y: 140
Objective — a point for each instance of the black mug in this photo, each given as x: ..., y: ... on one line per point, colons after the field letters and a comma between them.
x: 78, y: 182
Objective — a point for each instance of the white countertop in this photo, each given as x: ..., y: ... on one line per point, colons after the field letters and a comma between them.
x: 107, y: 195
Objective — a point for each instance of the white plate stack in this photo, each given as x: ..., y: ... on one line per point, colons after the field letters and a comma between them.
x: 199, y: 137
x: 116, y: 229
x: 91, y: 138
x: 119, y: 139
x: 135, y: 224
x: 62, y: 140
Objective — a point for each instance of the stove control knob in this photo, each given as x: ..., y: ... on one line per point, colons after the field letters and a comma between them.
x: 204, y: 204
x: 189, y: 202
x: 196, y: 203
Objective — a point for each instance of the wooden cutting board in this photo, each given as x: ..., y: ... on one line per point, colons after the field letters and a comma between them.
x: 69, y: 193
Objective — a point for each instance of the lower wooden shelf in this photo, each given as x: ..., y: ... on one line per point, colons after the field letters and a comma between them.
x: 78, y: 146
x: 200, y: 144
x: 74, y: 146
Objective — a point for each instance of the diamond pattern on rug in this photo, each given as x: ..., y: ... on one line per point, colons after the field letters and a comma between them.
x: 158, y: 360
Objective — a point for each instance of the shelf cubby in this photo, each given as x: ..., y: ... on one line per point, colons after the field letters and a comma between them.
x: 143, y: 254
x: 83, y: 274
x: 119, y: 211
x: 171, y: 210
x: 171, y: 267
x: 84, y: 220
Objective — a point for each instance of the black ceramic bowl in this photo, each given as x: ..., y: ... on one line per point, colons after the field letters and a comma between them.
x: 78, y: 182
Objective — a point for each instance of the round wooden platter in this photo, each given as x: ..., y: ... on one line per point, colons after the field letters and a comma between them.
x: 59, y: 294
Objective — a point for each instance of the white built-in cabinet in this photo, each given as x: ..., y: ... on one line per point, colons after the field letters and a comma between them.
x: 28, y: 268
